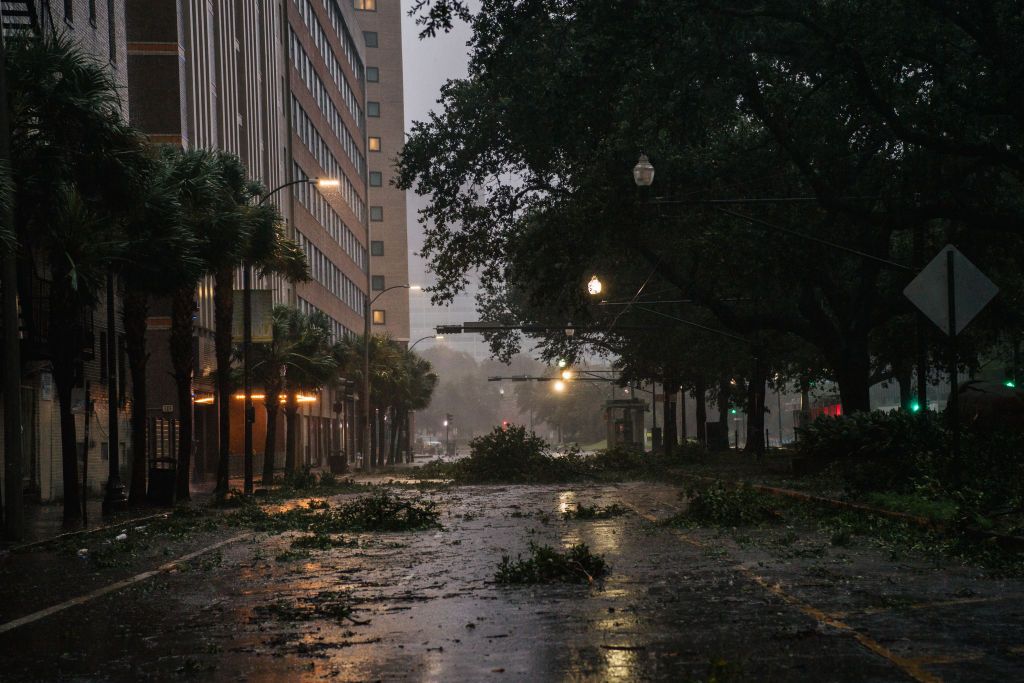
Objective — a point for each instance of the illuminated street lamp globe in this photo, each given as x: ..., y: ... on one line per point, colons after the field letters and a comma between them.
x: 643, y: 172
x: 567, y: 375
x: 594, y: 286
x: 559, y: 386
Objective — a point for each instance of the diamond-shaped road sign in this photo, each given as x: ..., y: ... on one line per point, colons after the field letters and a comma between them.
x: 929, y: 291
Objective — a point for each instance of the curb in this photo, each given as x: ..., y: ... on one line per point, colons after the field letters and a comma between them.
x: 84, y: 532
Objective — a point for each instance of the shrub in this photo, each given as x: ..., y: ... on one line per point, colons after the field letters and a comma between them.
x: 727, y: 506
x: 516, y: 456
x: 508, y: 455
x: 300, y: 480
x: 877, y: 451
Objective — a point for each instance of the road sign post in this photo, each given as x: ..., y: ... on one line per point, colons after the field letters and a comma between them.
x: 951, y: 291
x: 952, y: 404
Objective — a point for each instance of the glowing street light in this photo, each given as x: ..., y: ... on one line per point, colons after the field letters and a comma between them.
x: 559, y: 386
x: 327, y: 182
x: 567, y: 375
x: 594, y: 286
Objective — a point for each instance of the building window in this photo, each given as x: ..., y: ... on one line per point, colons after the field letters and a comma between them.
x: 92, y: 12
x: 372, y: 74
x: 377, y: 283
x: 376, y: 179
x: 376, y: 213
x: 371, y: 38
x: 373, y: 109
x: 374, y: 144
x: 69, y: 11
x: 365, y: 5
x: 376, y: 248
x: 378, y: 316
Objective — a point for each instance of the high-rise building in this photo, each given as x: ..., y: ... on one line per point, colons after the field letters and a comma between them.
x: 380, y: 22
x: 281, y: 84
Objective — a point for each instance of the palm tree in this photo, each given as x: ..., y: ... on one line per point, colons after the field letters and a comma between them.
x: 227, y: 227
x: 312, y: 365
x: 399, y: 381
x: 419, y: 382
x: 164, y: 255
x: 270, y: 363
x: 195, y: 176
x: 251, y: 231
x: 76, y: 165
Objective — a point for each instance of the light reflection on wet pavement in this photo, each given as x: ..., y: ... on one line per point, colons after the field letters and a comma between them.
x: 424, y: 606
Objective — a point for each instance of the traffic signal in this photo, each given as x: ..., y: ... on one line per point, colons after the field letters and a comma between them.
x: 504, y: 425
x: 915, y: 407
x: 1010, y: 383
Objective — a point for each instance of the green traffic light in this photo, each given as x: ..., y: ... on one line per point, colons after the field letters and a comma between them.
x: 915, y: 407
x: 732, y: 411
x: 1010, y: 383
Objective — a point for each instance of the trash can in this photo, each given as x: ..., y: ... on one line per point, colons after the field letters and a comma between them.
x: 338, y: 463
x: 163, y: 476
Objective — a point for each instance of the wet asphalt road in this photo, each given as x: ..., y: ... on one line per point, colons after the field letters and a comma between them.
x: 677, y: 606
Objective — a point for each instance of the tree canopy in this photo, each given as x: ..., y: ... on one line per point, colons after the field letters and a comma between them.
x: 809, y: 157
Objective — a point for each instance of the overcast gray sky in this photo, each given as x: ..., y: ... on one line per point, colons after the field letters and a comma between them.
x: 427, y: 63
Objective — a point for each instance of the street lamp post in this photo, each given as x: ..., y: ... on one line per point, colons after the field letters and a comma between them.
x: 115, y: 499
x: 438, y: 337
x: 250, y: 410
x: 366, y: 365
x: 447, y: 427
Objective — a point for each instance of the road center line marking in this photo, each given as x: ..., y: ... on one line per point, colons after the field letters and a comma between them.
x: 100, y: 592
x: 911, y: 667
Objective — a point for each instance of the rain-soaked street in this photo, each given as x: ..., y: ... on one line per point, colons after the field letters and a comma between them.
x: 678, y: 604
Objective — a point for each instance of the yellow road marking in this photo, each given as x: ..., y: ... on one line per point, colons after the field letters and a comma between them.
x: 911, y: 667
x: 99, y: 592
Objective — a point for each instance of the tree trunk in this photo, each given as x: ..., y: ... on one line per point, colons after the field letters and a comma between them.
x: 700, y: 400
x: 683, y: 431
x: 64, y: 380
x: 853, y: 368
x: 223, y: 309
x: 671, y: 389
x: 905, y: 379
x: 755, y: 411
x: 724, y: 392
x: 65, y: 343
x: 136, y: 308
x: 182, y: 362
x: 291, y: 413
x: 272, y: 404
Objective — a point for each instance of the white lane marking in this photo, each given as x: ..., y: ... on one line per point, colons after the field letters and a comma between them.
x: 99, y: 592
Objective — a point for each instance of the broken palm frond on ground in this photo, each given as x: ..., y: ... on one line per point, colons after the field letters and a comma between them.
x: 382, y: 511
x: 582, y: 511
x: 547, y: 565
